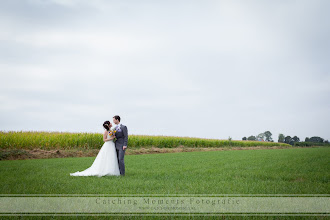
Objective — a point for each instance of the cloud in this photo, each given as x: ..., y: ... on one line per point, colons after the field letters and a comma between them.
x: 234, y: 68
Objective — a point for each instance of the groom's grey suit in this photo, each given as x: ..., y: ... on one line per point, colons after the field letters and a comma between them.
x: 122, y: 139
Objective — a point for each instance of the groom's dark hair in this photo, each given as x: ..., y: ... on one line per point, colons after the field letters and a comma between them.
x: 117, y: 117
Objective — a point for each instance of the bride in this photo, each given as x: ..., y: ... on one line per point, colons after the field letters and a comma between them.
x: 106, y: 162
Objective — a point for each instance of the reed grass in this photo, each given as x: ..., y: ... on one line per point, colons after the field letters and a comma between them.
x: 66, y: 140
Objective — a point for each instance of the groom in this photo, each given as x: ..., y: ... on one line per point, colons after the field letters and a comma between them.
x: 121, y: 143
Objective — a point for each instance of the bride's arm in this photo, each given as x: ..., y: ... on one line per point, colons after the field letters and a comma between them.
x: 105, y: 139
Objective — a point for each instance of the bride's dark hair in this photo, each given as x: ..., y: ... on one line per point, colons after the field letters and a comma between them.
x: 106, y: 125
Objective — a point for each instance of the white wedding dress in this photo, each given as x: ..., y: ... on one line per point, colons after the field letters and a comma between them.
x: 105, y: 163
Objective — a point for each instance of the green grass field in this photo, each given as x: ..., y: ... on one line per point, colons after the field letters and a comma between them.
x: 269, y: 171
x: 276, y: 171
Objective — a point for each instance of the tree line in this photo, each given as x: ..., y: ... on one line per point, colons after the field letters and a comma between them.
x: 267, y: 136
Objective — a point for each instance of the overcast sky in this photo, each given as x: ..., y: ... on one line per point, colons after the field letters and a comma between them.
x: 210, y: 69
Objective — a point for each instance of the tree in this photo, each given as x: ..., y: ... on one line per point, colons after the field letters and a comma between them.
x: 288, y: 140
x: 327, y: 142
x: 281, y: 138
x: 252, y: 138
x: 244, y: 138
x: 268, y: 135
x: 316, y: 139
x: 306, y: 139
x: 295, y: 139
x: 261, y: 136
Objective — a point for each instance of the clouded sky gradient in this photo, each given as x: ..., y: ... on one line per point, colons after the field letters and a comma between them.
x: 210, y: 69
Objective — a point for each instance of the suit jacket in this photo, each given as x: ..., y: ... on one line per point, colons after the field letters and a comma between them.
x: 122, y: 137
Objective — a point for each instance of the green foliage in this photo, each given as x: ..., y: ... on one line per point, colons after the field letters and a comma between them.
x: 268, y: 135
x: 261, y: 136
x: 310, y: 144
x: 296, y: 139
x: 315, y: 139
x: 281, y: 138
x: 288, y: 140
x: 265, y: 136
x: 252, y: 138
x: 65, y: 140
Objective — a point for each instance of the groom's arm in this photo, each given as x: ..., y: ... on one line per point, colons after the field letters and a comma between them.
x: 125, y: 132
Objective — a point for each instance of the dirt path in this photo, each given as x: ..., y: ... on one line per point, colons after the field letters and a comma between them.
x: 22, y: 154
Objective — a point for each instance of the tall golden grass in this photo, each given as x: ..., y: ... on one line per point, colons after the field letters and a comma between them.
x: 66, y: 140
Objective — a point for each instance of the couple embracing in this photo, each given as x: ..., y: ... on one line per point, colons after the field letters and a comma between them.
x: 110, y: 159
